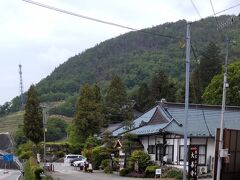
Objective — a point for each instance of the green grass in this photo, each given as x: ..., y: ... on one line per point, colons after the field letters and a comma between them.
x: 11, y: 122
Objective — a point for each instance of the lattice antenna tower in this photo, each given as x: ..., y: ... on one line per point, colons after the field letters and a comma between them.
x: 21, y: 87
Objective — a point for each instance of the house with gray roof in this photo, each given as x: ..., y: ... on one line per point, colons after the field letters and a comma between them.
x: 161, y: 131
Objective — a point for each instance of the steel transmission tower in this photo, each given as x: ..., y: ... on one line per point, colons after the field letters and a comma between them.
x: 21, y: 87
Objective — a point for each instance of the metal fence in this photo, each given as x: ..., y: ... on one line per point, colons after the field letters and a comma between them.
x: 231, y: 165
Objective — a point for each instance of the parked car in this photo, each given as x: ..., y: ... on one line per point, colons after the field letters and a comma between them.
x: 76, y: 159
x: 79, y: 163
x: 69, y: 157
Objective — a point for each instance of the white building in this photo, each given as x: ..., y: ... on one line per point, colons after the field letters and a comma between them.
x: 161, y: 130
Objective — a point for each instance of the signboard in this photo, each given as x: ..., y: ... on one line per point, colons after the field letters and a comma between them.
x: 192, y: 162
x: 8, y: 157
x: 158, y: 172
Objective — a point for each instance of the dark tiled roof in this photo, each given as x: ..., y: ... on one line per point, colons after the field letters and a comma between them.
x: 203, y: 120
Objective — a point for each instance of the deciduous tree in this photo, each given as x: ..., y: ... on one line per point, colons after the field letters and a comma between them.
x: 213, y: 92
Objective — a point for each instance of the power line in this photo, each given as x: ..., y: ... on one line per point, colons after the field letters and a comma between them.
x: 196, y: 9
x: 227, y: 9
x: 97, y: 20
x: 214, y: 14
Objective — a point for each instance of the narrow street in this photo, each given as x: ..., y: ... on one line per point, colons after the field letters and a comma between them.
x: 63, y: 172
x: 11, y: 175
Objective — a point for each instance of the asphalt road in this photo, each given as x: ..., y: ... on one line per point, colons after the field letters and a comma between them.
x: 11, y: 175
x: 63, y: 172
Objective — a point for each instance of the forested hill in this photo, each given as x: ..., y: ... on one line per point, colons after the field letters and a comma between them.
x: 134, y: 56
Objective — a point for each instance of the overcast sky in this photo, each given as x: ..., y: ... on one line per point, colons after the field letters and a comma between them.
x: 41, y: 39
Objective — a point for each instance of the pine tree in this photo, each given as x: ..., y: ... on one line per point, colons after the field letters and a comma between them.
x: 144, y: 99
x: 33, y: 117
x: 162, y: 87
x: 89, y: 116
x: 210, y: 65
x: 117, y: 104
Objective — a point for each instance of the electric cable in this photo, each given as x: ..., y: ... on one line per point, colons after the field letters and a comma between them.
x: 98, y: 20
x: 196, y: 9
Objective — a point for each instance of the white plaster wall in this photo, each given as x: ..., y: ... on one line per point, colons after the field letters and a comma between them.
x: 210, y: 152
x: 182, y: 141
x: 176, y: 150
x: 144, y: 141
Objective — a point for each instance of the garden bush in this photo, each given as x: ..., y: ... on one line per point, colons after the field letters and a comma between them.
x: 108, y: 169
x: 105, y: 163
x: 99, y: 154
x: 150, y: 171
x: 142, y: 158
x: 173, y: 173
x: 124, y: 171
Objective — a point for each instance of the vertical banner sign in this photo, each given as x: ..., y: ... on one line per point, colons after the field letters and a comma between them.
x: 192, y: 163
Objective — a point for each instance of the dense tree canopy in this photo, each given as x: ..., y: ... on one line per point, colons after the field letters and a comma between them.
x: 56, y: 129
x: 33, y: 117
x: 213, y: 92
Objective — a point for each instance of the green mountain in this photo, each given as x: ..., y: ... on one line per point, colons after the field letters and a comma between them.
x: 135, y: 56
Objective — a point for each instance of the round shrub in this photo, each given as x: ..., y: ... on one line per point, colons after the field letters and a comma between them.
x: 124, y: 171
x: 142, y: 158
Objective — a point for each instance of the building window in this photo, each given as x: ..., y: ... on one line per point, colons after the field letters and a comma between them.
x: 169, y: 154
x: 201, y: 155
x: 181, y: 152
x: 151, y: 149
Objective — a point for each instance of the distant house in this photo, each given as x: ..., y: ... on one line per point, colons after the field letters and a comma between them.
x: 161, y: 131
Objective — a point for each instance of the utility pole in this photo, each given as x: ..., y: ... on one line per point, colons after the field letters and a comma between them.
x: 186, y: 99
x: 220, y: 146
x: 44, y: 133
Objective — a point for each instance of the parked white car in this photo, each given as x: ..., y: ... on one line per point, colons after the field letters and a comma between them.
x: 79, y: 163
x: 69, y: 157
